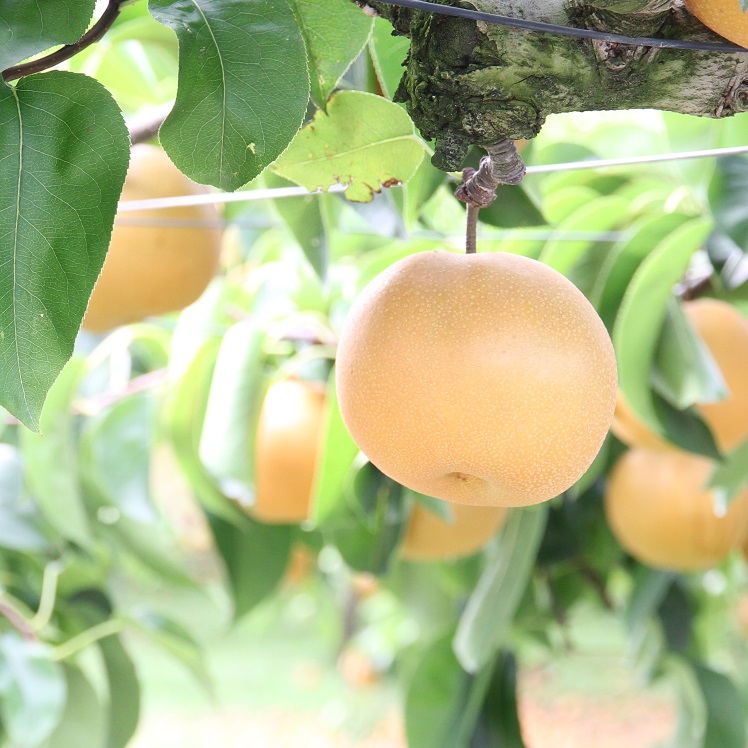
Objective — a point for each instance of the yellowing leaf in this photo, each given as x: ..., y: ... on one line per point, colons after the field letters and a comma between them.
x: 363, y: 141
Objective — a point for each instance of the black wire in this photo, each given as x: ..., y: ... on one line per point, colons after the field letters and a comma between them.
x: 477, y: 15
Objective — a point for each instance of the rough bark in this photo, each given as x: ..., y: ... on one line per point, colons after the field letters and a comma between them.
x: 469, y: 82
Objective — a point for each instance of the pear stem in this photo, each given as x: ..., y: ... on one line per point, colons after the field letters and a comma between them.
x: 471, y: 231
x: 502, y: 165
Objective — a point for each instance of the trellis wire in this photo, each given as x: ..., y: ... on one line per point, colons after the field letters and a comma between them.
x: 284, y: 192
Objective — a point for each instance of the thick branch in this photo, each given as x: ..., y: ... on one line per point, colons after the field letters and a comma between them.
x: 69, y: 50
x: 470, y: 82
x: 633, y: 6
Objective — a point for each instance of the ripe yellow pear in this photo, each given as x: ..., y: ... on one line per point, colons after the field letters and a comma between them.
x: 288, y: 439
x: 483, y: 379
x: 152, y: 269
x: 430, y: 538
x: 724, y: 17
x: 660, y: 510
x: 724, y: 330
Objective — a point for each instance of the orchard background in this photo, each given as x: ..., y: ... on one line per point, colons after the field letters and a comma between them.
x: 137, y: 587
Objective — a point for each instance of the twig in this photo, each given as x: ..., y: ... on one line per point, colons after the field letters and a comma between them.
x: 146, y: 126
x: 69, y: 50
x: 151, y: 380
x: 502, y: 165
x: 17, y: 620
x: 88, y: 637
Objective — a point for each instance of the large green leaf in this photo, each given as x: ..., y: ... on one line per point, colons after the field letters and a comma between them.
x: 731, y: 475
x: 485, y: 622
x: 498, y: 726
x: 638, y: 324
x: 335, y: 460
x: 255, y: 555
x: 176, y: 640
x: 725, y: 713
x: 727, y: 198
x: 685, y: 372
x: 19, y: 520
x: 443, y: 701
x: 367, y: 528
x: 64, y: 151
x: 513, y: 208
x: 236, y: 390
x: 83, y: 722
x: 624, y: 258
x: 601, y: 214
x: 305, y: 218
x: 32, y: 690
x: 51, y: 460
x: 692, y: 714
x: 650, y: 588
x: 334, y: 32
x: 388, y: 53
x: 27, y: 28
x: 362, y: 140
x: 115, y: 456
x: 183, y: 415
x: 243, y: 87
x: 124, y: 692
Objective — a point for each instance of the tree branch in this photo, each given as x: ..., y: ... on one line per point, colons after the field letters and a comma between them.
x: 633, y: 6
x: 146, y: 126
x: 471, y: 82
x: 69, y: 50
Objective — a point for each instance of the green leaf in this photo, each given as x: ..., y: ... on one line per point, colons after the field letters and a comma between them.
x: 443, y: 701
x: 512, y: 208
x: 152, y: 546
x: 336, y: 459
x: 115, y: 452
x: 684, y: 371
x: 19, y: 520
x: 490, y: 610
x: 638, y: 323
x: 388, y: 52
x: 255, y: 555
x: 32, y: 690
x: 743, y: 5
x: 731, y: 475
x: 124, y: 693
x: 183, y: 414
x: 418, y: 191
x: 692, y: 714
x: 83, y: 723
x: 363, y: 141
x: 498, y: 726
x: 728, y: 186
x: 725, y: 713
x: 624, y: 259
x: 368, y: 528
x: 650, y: 588
x: 175, y: 640
x: 601, y: 214
x: 243, y: 87
x: 334, y: 32
x: 305, y: 218
x: 234, y: 402
x: 27, y: 28
x: 51, y: 460
x: 64, y: 154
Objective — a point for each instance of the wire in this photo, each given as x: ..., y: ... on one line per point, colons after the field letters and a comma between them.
x: 282, y: 192
x: 550, y: 28
x: 638, y: 160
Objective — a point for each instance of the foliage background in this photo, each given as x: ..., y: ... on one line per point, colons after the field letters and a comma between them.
x: 102, y: 563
